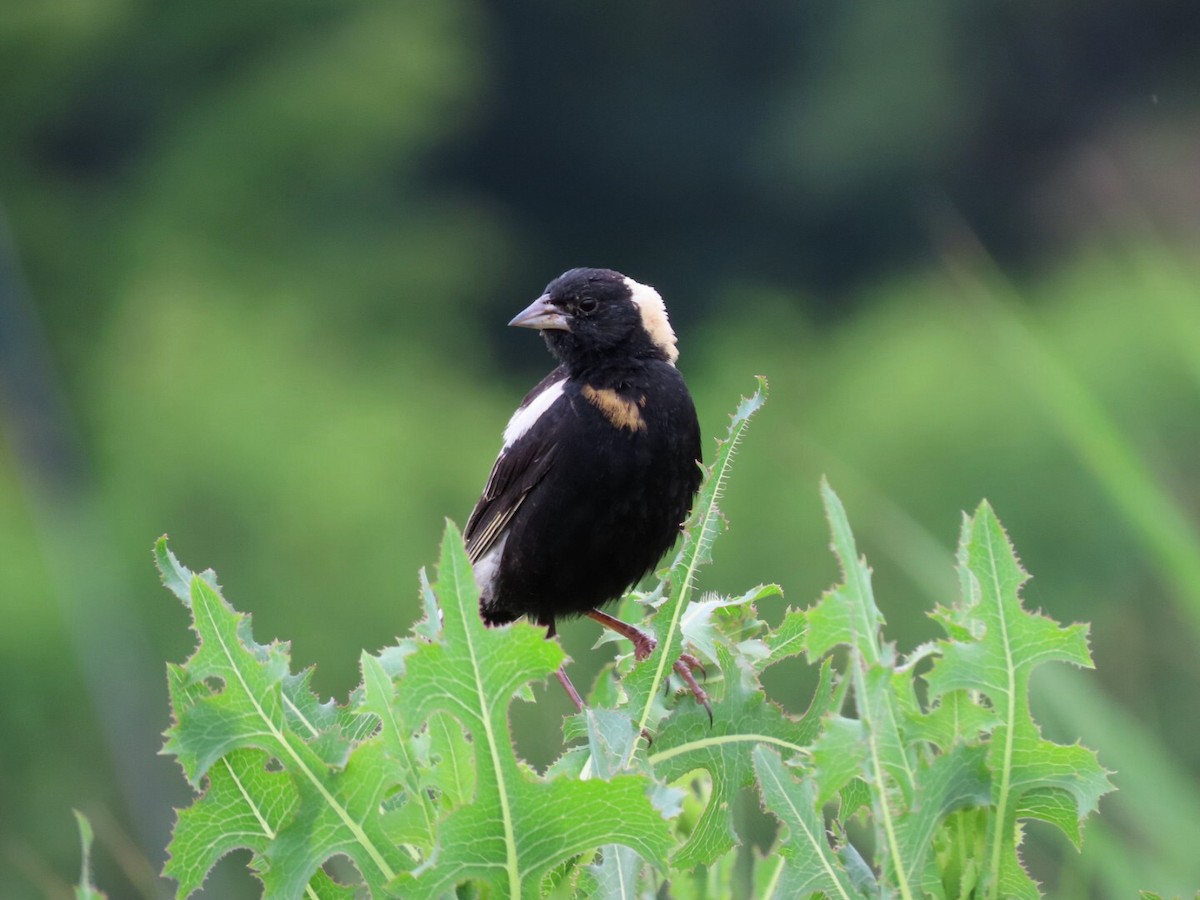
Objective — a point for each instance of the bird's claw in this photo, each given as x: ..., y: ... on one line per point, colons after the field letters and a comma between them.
x: 683, y: 667
x: 643, y: 646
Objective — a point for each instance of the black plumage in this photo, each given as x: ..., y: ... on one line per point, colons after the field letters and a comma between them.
x: 599, y: 465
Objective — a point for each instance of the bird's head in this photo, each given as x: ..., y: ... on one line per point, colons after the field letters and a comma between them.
x: 588, y: 315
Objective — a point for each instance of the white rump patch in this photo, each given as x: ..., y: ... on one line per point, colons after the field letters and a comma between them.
x: 654, y: 317
x: 488, y: 566
x: 525, y: 417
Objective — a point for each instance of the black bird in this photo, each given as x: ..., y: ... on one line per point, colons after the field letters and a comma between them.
x: 599, y: 466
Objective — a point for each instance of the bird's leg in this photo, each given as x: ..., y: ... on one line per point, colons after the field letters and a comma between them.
x: 643, y: 646
x: 561, y: 674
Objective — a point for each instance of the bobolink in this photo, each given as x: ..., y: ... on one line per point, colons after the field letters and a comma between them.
x: 599, y: 466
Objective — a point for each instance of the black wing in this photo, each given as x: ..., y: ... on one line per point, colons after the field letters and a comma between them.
x: 516, y: 472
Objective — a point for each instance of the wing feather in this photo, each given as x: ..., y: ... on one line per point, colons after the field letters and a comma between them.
x: 517, y: 471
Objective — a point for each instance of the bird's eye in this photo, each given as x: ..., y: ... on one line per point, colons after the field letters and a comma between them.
x: 587, y: 305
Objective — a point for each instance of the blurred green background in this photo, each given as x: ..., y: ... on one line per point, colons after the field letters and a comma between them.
x: 256, y: 261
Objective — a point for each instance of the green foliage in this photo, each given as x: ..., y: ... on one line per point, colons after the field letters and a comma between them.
x: 416, y: 781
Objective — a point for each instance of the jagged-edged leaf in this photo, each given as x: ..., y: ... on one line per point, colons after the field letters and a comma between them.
x: 847, y: 615
x: 418, y: 822
x: 743, y: 718
x: 230, y: 696
x: 452, y: 767
x: 956, y: 718
x: 713, y: 618
x: 810, y: 862
x: 1006, y: 643
x: 244, y: 807
x: 839, y: 756
x: 788, y: 639
x: 952, y: 781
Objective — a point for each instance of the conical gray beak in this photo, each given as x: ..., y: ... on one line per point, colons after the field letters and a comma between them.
x: 542, y: 315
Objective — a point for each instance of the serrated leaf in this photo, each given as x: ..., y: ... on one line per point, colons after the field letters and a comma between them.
x: 617, y: 874
x: 323, y: 887
x: 430, y: 625
x: 810, y: 863
x: 176, y: 577
x: 714, y: 618
x: 853, y: 797
x: 1055, y: 806
x: 847, y: 616
x: 1007, y: 643
x: 339, y: 814
x: 518, y: 827
x: 399, y: 752
x: 787, y: 640
x: 743, y: 718
x: 330, y: 730
x: 230, y: 696
x: 839, y: 755
x: 243, y: 807
x: 954, y: 780
x: 1013, y: 880
x: 453, y: 774
x: 956, y: 718
x: 611, y: 737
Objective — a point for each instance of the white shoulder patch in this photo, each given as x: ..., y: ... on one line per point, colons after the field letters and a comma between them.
x: 525, y: 417
x: 654, y: 317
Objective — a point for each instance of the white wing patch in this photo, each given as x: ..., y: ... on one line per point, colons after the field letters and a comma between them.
x: 525, y: 417
x: 488, y: 566
x: 654, y: 317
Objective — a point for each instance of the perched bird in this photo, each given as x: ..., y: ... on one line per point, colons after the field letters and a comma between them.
x: 599, y: 466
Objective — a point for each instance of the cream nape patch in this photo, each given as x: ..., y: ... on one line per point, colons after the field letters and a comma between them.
x: 654, y: 317
x: 525, y: 417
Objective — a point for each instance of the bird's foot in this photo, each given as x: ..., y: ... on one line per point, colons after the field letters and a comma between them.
x: 684, y: 667
x: 643, y: 646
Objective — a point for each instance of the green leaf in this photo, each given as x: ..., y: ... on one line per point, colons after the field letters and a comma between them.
x: 768, y: 873
x: 954, y: 780
x: 956, y: 718
x: 847, y: 616
x: 714, y: 618
x: 1007, y: 642
x: 810, y: 863
x: 323, y: 887
x: 244, y: 807
x: 398, y: 750
x: 788, y: 640
x: 838, y: 756
x: 518, y: 827
x: 85, y: 890
x: 743, y: 718
x: 234, y: 694
x: 452, y: 774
